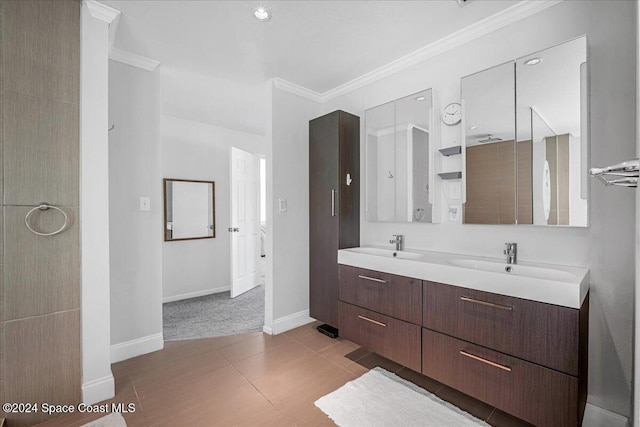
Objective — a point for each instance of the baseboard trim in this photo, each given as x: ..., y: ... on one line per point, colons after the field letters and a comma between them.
x: 595, y: 416
x: 195, y: 294
x: 267, y: 330
x: 292, y: 321
x: 128, y: 349
x: 98, y: 390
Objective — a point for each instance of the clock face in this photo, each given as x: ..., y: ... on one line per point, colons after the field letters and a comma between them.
x: 452, y: 114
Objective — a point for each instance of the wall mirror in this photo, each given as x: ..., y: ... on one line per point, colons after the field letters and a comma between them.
x: 189, y: 209
x: 526, y: 148
x: 399, y: 160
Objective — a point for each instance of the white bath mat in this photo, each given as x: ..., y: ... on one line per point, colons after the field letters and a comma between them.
x: 114, y: 419
x: 380, y: 398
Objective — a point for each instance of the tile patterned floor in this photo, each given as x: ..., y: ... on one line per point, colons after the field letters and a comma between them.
x: 253, y: 380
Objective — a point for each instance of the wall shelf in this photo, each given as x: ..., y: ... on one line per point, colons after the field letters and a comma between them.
x: 450, y: 151
x: 450, y: 175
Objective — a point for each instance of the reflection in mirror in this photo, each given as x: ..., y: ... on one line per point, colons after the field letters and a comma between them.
x: 398, y: 155
x: 189, y: 209
x: 490, y: 147
x: 551, y: 87
x: 541, y: 180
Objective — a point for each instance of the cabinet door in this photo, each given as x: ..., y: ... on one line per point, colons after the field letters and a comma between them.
x: 397, y: 296
x: 536, y: 394
x: 392, y: 338
x: 348, y: 176
x: 323, y: 219
x: 541, y: 333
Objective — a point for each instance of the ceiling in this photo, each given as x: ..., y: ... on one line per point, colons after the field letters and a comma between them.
x: 318, y: 44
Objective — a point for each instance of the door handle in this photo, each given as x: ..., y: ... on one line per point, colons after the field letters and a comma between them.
x: 333, y: 202
x: 234, y: 229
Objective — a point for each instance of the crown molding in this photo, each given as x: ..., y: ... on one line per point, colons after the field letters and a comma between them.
x: 296, y: 89
x: 488, y: 25
x: 102, y: 12
x: 133, y: 59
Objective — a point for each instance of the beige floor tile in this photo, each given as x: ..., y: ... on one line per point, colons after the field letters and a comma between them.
x: 336, y: 354
x: 252, y: 346
x: 177, y: 372
x: 173, y: 351
x: 299, y: 406
x: 287, y: 381
x: 258, y: 366
x: 309, y: 336
x: 194, y: 394
x: 221, y: 342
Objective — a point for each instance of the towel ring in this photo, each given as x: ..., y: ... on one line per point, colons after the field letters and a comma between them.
x: 44, y: 207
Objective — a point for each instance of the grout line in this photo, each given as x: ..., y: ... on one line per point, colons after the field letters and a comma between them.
x: 260, y: 392
x: 490, y: 415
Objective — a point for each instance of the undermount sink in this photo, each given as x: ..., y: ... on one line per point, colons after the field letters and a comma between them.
x: 386, y: 253
x: 514, y: 269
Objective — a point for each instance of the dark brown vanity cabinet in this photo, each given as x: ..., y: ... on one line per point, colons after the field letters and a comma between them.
x: 382, y: 313
x: 334, y: 206
x: 526, y: 358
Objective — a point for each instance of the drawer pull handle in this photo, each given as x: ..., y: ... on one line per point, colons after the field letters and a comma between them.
x: 372, y: 321
x: 488, y: 362
x: 373, y: 279
x: 488, y: 304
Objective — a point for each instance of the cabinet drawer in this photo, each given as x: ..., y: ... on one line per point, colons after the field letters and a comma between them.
x: 396, y: 296
x: 536, y: 394
x: 389, y: 337
x: 541, y: 333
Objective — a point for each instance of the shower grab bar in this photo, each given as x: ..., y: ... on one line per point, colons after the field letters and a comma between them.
x: 44, y: 207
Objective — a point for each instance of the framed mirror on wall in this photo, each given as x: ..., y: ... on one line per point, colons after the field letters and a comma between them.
x: 189, y: 209
x: 526, y: 141
x: 399, y: 160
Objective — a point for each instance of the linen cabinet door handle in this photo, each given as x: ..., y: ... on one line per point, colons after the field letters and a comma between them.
x: 373, y: 279
x: 483, y: 360
x: 485, y: 303
x: 333, y: 202
x: 372, y: 321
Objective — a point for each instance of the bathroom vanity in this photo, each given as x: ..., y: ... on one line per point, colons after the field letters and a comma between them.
x: 514, y: 339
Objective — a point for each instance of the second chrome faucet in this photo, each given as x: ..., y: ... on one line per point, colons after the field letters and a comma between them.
x: 511, y: 251
x: 398, y: 240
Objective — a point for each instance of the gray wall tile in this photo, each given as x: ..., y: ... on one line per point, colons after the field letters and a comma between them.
x: 47, y: 351
x: 42, y: 48
x: 41, y: 151
x: 41, y: 274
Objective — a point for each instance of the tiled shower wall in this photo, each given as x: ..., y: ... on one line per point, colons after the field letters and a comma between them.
x: 39, y: 137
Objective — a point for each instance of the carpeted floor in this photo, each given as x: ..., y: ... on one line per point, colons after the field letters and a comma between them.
x: 214, y: 315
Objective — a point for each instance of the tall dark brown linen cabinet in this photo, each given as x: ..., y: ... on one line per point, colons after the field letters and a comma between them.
x: 334, y: 206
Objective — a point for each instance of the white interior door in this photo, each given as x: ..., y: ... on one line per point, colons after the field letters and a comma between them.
x: 245, y: 221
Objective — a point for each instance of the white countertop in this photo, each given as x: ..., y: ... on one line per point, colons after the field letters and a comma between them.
x: 555, y: 284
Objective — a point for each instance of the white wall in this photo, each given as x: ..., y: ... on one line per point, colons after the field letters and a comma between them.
x: 288, y: 177
x: 607, y: 246
x: 135, y: 236
x: 215, y: 101
x: 192, y: 150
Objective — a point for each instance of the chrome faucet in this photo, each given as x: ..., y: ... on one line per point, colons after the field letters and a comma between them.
x: 398, y: 241
x: 511, y: 251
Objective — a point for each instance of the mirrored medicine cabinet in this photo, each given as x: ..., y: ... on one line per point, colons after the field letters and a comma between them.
x: 526, y: 146
x: 189, y: 209
x: 399, y: 160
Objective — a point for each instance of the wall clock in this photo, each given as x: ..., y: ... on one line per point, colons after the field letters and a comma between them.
x: 452, y: 114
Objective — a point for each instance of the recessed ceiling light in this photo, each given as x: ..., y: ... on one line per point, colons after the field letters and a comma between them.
x: 261, y: 14
x: 474, y: 127
x: 533, y: 61
x: 421, y: 98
